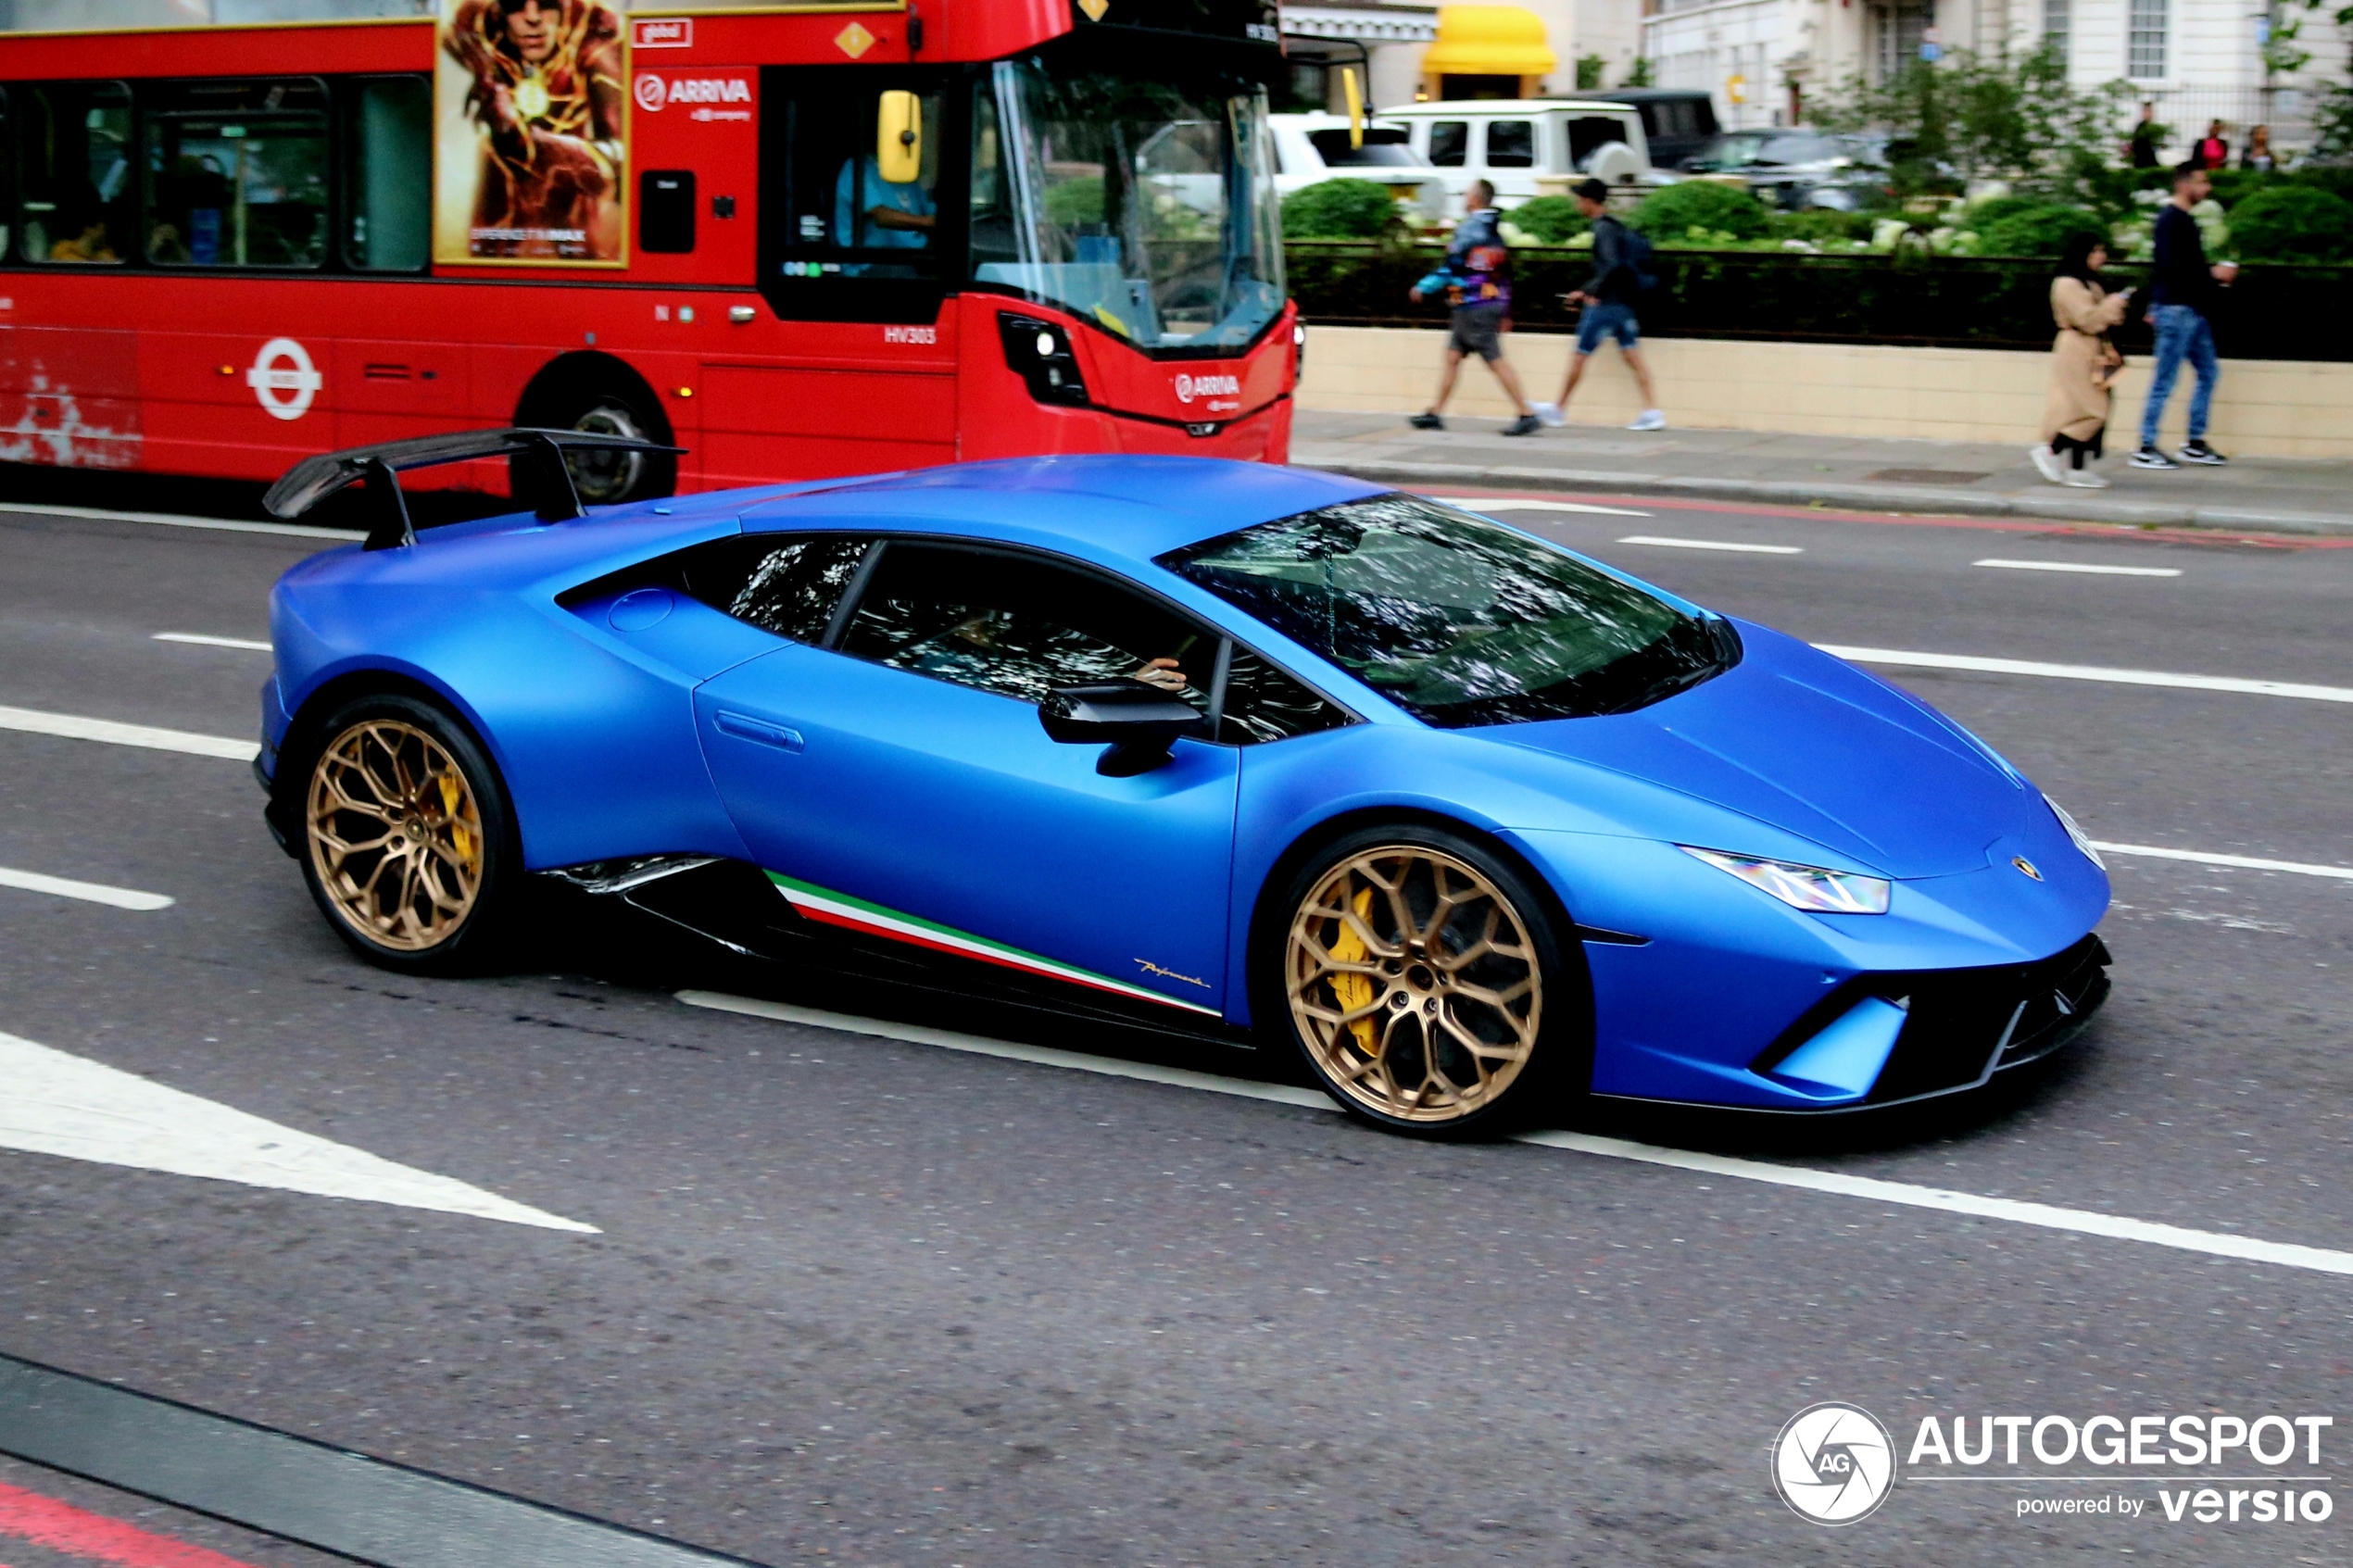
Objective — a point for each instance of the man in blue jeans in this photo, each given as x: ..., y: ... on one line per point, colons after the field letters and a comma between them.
x: 2181, y: 285
x: 1608, y: 299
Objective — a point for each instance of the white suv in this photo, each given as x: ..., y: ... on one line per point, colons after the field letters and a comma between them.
x: 1310, y: 148
x: 1525, y: 147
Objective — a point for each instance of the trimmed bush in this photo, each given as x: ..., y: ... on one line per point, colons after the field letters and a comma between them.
x: 2038, y: 231
x: 1990, y: 212
x: 1820, y: 224
x: 2294, y: 223
x: 1667, y: 215
x: 1072, y: 202
x: 1339, y: 209
x: 1548, y: 220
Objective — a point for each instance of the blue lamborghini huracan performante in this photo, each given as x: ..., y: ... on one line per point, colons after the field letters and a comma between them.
x: 1473, y: 823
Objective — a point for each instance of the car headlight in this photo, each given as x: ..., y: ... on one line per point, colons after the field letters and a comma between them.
x: 1812, y: 889
x: 2083, y: 840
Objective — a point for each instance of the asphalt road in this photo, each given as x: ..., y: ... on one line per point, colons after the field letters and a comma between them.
x: 856, y: 1299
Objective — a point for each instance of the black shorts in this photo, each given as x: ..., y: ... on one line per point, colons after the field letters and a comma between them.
x: 1477, y: 330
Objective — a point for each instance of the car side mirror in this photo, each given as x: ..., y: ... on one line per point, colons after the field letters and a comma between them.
x: 1140, y: 724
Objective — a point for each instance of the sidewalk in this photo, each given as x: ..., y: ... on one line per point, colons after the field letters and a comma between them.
x: 2282, y: 494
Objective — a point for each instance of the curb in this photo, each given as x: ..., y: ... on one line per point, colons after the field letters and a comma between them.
x: 1927, y: 498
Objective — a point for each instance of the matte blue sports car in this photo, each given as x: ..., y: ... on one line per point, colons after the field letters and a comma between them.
x: 1468, y: 819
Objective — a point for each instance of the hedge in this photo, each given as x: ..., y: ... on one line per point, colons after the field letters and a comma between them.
x: 2272, y: 312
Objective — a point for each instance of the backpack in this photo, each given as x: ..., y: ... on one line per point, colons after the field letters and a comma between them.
x: 1639, y: 254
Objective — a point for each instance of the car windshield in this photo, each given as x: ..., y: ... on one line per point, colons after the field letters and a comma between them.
x: 1802, y: 149
x: 1457, y: 620
x: 1145, y: 204
x: 1729, y: 149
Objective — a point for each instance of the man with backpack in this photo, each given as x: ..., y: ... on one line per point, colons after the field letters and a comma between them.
x: 1476, y: 280
x: 1621, y: 271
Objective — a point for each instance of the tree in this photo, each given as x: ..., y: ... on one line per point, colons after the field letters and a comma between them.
x: 1997, y: 117
x: 1638, y: 74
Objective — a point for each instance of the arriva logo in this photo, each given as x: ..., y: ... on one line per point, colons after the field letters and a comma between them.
x: 1191, y: 387
x: 1833, y: 1464
x: 653, y: 93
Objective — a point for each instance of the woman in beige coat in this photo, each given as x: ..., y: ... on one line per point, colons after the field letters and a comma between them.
x: 2084, y: 364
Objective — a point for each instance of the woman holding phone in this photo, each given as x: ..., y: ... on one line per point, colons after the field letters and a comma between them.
x: 2085, y: 364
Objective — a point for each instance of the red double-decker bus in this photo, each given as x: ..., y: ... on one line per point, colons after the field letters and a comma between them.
x: 799, y: 240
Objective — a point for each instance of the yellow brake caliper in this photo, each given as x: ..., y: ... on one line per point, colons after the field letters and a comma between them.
x: 459, y: 838
x: 1354, y: 991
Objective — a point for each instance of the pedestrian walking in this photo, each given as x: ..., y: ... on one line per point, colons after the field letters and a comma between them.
x: 2212, y: 151
x: 2258, y: 156
x: 1476, y: 280
x: 1608, y: 299
x: 2139, y: 148
x: 2181, y: 285
x: 2084, y: 365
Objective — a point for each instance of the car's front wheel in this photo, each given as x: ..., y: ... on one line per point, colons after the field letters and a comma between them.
x: 1421, y: 980
x: 407, y: 845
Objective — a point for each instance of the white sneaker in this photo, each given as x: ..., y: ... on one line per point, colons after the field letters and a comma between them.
x: 2083, y: 479
x: 2046, y: 463
x: 1550, y: 413
x: 1649, y: 418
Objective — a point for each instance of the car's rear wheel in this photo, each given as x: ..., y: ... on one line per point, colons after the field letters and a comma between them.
x: 407, y: 842
x: 1422, y: 982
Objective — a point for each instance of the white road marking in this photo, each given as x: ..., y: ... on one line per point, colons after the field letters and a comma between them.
x: 174, y: 520
x: 2084, y: 567
x: 76, y: 1109
x: 75, y: 727
x: 1666, y: 543
x: 2087, y: 673
x: 88, y: 892
x: 1511, y: 504
x: 2244, y: 862
x: 2015, y: 1211
x: 204, y: 641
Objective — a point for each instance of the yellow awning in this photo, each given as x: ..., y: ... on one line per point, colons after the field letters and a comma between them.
x: 1489, y: 41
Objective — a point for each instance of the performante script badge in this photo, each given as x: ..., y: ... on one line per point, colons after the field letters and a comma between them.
x: 2026, y: 867
x: 1094, y: 9
x: 854, y: 39
x: 1833, y: 1464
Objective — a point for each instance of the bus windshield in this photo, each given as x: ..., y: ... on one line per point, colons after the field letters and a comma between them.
x: 1145, y: 206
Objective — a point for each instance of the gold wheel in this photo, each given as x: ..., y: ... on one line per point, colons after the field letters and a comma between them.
x: 1414, y: 985
x: 396, y: 835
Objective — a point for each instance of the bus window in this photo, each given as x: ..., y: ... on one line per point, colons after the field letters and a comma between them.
x: 992, y: 195
x: 237, y: 174
x: 75, y: 161
x: 7, y: 173
x: 388, y: 166
x: 844, y: 218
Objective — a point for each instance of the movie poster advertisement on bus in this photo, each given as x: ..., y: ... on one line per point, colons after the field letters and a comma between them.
x: 531, y: 134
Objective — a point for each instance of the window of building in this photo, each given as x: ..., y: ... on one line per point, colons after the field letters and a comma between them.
x: 387, y: 170
x: 237, y: 174
x: 2058, y: 24
x: 2147, y: 45
x: 1449, y: 143
x: 1511, y: 143
x: 1901, y: 31
x: 74, y: 155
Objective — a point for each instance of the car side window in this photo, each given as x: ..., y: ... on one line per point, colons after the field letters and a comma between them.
x: 778, y: 583
x: 1264, y: 704
x: 1019, y: 626
x: 1449, y: 142
x: 1511, y: 143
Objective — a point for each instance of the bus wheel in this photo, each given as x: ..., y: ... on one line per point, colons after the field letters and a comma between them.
x: 606, y: 399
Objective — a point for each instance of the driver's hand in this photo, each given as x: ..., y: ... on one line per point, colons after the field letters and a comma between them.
x: 1166, y: 674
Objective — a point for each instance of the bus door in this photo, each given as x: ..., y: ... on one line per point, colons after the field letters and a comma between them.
x: 855, y: 238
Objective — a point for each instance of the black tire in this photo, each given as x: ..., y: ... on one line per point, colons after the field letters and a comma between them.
x: 437, y: 897
x: 588, y: 392
x: 1425, y: 1004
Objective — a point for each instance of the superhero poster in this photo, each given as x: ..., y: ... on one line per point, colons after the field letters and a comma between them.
x: 531, y: 139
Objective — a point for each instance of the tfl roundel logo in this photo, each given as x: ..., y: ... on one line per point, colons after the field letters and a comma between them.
x: 1833, y: 1464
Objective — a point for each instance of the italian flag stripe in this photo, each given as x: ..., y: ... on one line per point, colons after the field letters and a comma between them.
x: 829, y: 908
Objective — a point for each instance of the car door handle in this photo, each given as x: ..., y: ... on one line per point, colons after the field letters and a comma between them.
x: 743, y: 727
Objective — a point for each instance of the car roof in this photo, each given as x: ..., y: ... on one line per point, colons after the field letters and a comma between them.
x: 1104, y: 507
x: 1454, y: 108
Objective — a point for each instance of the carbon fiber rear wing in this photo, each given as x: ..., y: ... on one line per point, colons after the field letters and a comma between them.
x: 312, y: 480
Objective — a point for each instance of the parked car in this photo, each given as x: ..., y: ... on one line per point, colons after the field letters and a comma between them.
x: 1796, y: 169
x: 1474, y: 824
x: 1678, y: 120
x: 1525, y: 147
x: 1310, y: 148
